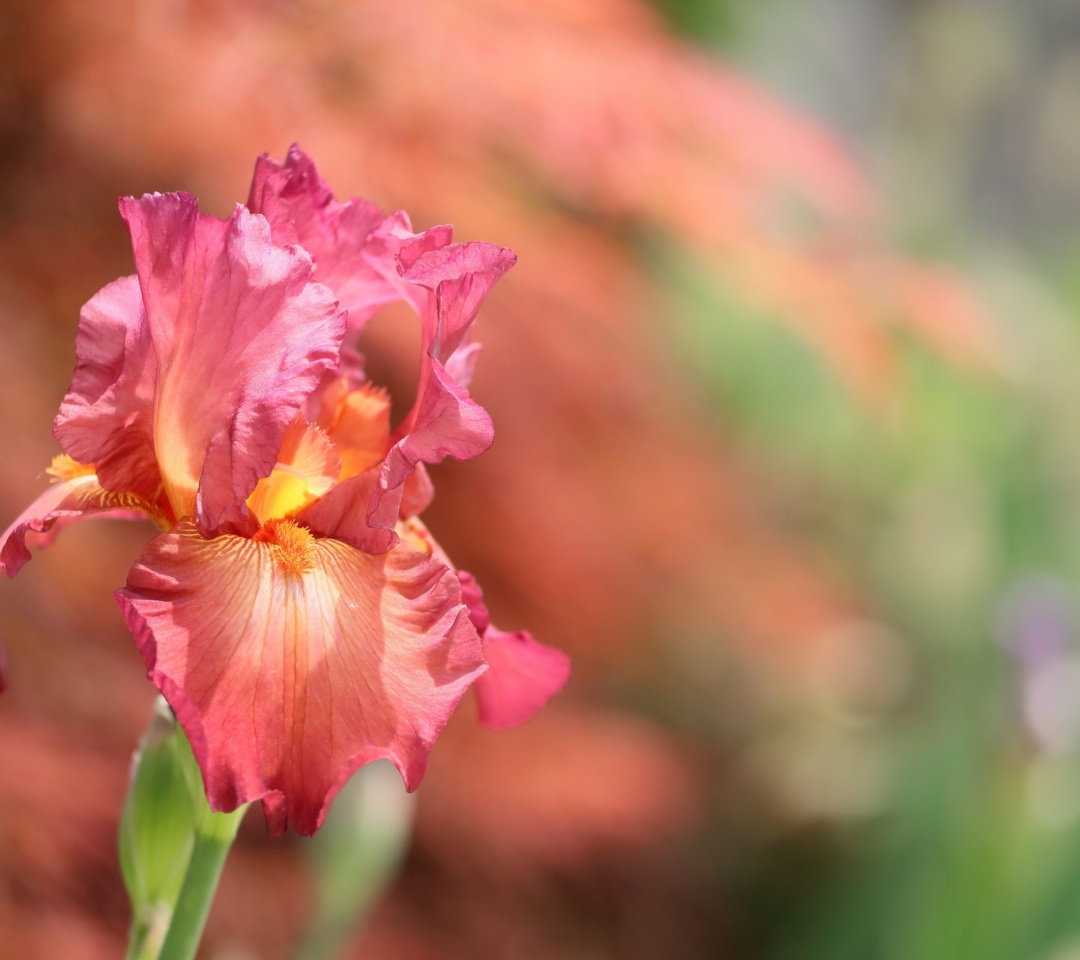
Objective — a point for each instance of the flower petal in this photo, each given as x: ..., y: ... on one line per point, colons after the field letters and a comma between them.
x: 292, y: 661
x: 522, y: 676
x: 416, y: 494
x: 106, y: 417
x: 69, y: 499
x: 460, y: 275
x: 342, y: 515
x: 370, y: 262
x: 357, y: 421
x: 444, y: 420
x: 307, y: 468
x: 240, y: 336
x: 354, y: 244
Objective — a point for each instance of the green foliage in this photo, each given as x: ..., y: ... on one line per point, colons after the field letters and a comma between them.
x: 172, y: 845
x: 939, y: 505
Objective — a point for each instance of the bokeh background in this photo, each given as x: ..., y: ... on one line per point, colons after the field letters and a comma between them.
x: 786, y: 387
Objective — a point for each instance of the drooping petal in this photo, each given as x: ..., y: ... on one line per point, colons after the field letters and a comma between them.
x: 522, y: 676
x: 106, y: 417
x: 291, y: 660
x: 241, y: 337
x: 75, y: 495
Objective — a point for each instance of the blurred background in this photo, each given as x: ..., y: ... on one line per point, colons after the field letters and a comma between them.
x: 785, y: 385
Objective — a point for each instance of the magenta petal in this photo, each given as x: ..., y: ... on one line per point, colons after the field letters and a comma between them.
x: 107, y: 416
x: 62, y: 502
x: 460, y: 275
x: 369, y: 262
x: 445, y: 420
x: 473, y: 598
x: 354, y: 244
x: 462, y: 364
x: 291, y: 663
x: 241, y: 337
x: 448, y: 422
x: 416, y: 494
x: 522, y: 676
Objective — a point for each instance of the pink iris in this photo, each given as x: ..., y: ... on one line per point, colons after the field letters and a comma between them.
x: 295, y: 613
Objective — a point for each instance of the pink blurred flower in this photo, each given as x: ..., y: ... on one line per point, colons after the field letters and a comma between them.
x: 296, y: 614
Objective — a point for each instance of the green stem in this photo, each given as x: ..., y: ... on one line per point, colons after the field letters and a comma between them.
x: 212, y: 842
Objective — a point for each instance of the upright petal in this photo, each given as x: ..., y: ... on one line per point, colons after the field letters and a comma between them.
x: 292, y: 660
x: 107, y: 416
x: 354, y: 244
x: 444, y: 420
x: 241, y: 336
x: 75, y: 495
x: 522, y: 676
x: 460, y: 275
x: 370, y: 262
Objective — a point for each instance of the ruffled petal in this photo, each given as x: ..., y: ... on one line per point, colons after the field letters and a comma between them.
x: 522, y: 676
x: 107, y: 416
x: 72, y: 498
x: 240, y: 336
x: 354, y: 244
x: 444, y: 421
x: 370, y: 262
x: 416, y: 494
x: 459, y: 275
x: 291, y: 660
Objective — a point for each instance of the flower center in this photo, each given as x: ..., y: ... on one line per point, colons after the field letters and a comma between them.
x: 358, y: 423
x: 307, y: 467
x: 64, y: 467
x: 292, y: 545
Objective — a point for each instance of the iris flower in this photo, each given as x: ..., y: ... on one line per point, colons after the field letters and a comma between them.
x: 293, y: 610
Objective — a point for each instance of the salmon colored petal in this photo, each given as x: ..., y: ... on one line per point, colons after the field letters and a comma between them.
x: 72, y: 498
x: 522, y: 676
x: 107, y: 416
x: 343, y: 515
x: 240, y: 337
x: 290, y: 661
x: 307, y: 468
